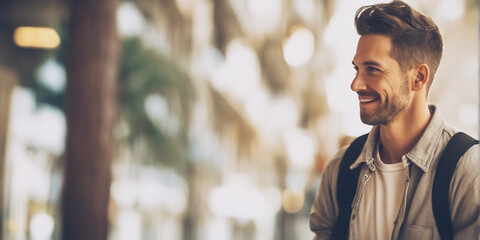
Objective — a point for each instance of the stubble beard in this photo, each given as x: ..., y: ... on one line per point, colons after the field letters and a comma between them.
x: 387, y: 109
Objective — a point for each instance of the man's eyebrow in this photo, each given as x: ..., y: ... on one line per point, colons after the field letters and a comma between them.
x: 368, y: 63
x: 371, y: 63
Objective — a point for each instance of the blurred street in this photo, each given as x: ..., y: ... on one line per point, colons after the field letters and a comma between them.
x: 189, y: 119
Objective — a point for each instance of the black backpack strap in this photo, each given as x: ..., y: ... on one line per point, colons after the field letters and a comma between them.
x: 347, y: 187
x: 456, y: 147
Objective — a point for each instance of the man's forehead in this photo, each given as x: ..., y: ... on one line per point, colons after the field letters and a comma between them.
x: 373, y: 49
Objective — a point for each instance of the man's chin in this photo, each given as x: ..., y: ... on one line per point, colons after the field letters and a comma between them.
x: 368, y: 122
x: 368, y: 119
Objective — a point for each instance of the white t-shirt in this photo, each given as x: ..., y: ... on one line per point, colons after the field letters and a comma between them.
x: 381, y: 200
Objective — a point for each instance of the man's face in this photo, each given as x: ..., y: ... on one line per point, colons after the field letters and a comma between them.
x: 382, y: 88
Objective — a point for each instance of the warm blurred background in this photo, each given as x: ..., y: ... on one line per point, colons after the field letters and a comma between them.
x: 188, y: 119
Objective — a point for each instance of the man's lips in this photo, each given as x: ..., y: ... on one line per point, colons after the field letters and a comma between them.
x: 367, y: 97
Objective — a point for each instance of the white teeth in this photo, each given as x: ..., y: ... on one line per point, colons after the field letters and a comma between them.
x: 367, y: 100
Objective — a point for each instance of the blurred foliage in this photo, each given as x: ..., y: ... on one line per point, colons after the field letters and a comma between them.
x: 142, y: 73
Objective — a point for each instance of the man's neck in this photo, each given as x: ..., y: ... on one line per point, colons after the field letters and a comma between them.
x: 400, y: 135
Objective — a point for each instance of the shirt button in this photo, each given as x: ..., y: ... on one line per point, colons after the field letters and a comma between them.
x: 365, y: 177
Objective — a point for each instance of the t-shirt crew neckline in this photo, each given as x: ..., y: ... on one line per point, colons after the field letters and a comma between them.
x: 385, y: 167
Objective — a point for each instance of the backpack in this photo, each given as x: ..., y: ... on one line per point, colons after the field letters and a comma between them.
x: 348, y: 179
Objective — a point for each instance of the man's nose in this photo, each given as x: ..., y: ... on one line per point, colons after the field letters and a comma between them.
x: 358, y: 83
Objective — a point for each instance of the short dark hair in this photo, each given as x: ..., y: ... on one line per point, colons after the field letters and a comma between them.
x: 415, y: 37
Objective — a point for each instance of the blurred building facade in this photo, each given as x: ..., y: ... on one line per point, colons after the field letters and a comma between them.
x: 229, y: 109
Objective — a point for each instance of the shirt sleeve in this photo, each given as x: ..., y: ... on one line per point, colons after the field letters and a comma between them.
x: 324, y: 210
x: 465, y: 196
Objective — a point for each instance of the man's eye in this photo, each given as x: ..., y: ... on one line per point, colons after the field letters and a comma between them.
x: 373, y: 69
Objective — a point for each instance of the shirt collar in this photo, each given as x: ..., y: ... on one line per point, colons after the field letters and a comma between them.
x: 421, y: 154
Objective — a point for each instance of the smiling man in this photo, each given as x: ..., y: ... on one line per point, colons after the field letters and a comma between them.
x: 413, y: 176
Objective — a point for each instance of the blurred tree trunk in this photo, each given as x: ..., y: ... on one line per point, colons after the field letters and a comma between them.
x: 8, y: 81
x: 91, y: 109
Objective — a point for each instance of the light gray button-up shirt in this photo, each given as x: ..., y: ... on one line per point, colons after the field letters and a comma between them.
x: 415, y: 218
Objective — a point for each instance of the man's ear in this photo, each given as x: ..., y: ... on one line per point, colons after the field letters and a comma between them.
x: 422, y: 72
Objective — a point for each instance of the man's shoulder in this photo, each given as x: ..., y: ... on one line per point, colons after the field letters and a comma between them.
x: 449, y: 131
x: 336, y: 159
x: 470, y: 160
